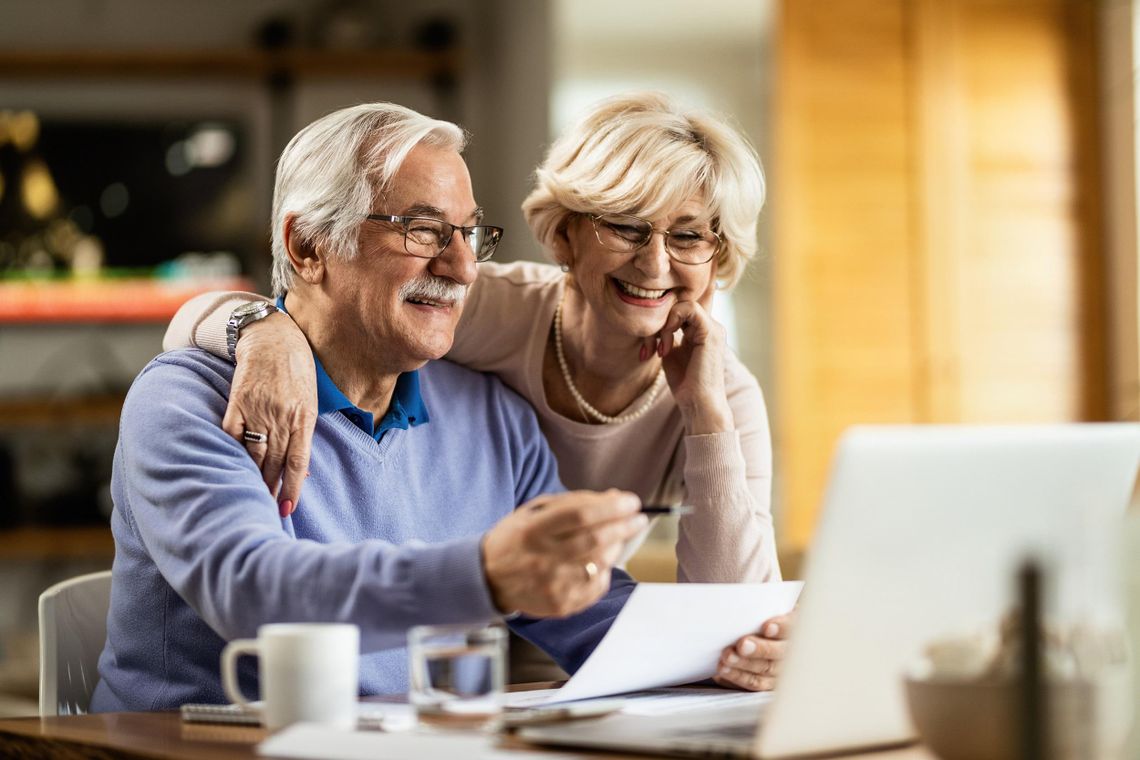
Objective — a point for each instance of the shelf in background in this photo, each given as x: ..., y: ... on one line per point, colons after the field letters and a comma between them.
x: 37, y: 412
x: 30, y: 543
x: 241, y: 64
x: 111, y: 300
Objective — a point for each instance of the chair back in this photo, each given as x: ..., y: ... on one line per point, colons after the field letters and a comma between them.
x: 73, y: 629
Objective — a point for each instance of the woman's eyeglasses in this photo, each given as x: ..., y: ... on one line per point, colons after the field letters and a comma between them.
x: 623, y: 233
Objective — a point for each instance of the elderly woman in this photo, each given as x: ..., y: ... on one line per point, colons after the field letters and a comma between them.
x: 645, y: 208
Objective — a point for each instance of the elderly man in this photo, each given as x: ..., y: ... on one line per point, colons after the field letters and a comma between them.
x: 417, y: 465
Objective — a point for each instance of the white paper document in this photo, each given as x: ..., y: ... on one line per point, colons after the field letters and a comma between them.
x: 667, y: 701
x: 673, y: 633
x: 661, y: 701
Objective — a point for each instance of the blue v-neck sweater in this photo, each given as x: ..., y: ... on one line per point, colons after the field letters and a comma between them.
x: 387, y: 534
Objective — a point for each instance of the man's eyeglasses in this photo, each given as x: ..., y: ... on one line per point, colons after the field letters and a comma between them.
x: 427, y: 238
x: 623, y: 233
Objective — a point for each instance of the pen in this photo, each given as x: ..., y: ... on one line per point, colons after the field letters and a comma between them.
x: 661, y: 509
x: 646, y: 509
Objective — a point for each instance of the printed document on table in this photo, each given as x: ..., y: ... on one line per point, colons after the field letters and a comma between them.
x: 660, y: 701
x: 673, y: 633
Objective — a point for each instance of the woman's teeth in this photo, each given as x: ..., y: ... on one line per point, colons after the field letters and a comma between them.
x: 637, y: 292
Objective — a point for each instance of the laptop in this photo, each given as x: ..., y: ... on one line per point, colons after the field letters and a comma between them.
x: 922, y: 531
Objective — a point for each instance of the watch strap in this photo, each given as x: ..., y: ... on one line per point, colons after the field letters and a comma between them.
x: 243, y: 315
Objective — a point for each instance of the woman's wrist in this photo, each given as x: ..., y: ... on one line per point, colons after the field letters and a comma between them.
x: 708, y: 419
x: 276, y: 328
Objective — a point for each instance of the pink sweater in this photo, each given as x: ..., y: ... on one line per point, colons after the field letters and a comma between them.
x: 726, y: 476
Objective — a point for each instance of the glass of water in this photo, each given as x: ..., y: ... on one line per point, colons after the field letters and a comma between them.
x: 457, y: 674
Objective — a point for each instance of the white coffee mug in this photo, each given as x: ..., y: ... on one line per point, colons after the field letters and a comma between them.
x: 309, y: 672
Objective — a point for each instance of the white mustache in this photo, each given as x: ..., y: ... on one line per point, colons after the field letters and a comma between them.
x: 438, y: 289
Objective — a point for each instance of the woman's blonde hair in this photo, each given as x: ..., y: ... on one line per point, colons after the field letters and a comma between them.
x: 642, y: 154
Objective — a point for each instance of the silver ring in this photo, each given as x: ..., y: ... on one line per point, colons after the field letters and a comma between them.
x: 591, y: 571
x: 251, y: 437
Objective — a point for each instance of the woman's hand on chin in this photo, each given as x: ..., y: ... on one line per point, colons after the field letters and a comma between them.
x: 274, y: 391
x: 694, y: 365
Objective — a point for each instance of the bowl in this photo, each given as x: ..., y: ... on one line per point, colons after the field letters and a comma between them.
x: 960, y: 719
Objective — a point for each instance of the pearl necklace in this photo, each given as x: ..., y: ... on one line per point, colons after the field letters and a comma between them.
x: 583, y: 405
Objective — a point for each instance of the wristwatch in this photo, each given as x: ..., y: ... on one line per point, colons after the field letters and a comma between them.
x: 243, y: 315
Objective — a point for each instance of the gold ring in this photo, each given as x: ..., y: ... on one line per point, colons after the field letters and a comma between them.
x: 591, y: 571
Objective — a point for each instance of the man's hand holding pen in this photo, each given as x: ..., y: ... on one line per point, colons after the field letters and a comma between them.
x: 552, y: 556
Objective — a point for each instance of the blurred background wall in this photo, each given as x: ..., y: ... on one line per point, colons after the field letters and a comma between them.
x: 950, y: 235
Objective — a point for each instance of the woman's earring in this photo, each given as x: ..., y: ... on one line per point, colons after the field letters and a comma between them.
x: 565, y: 268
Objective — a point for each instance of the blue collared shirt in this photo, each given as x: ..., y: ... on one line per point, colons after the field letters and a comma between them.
x: 406, y: 409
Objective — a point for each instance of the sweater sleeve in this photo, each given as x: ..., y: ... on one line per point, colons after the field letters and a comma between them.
x: 728, y: 478
x: 196, y: 502
x: 201, y: 322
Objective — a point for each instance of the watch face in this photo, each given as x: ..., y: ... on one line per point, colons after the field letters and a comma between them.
x: 249, y: 309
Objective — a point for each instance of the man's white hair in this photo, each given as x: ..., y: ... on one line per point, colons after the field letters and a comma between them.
x: 332, y: 171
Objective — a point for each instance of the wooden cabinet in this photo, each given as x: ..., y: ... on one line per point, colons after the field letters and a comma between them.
x: 67, y: 542
x: 937, y: 254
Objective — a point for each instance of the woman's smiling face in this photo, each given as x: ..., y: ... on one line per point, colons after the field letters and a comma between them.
x: 633, y: 292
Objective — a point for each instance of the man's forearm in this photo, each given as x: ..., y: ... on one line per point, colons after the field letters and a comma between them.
x: 384, y: 589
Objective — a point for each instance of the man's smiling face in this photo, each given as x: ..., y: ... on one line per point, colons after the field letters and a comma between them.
x: 406, y: 307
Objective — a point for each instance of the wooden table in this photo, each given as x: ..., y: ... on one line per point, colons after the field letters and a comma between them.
x: 163, y: 736
x: 130, y: 735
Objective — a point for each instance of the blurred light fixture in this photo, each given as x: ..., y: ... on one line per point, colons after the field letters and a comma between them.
x: 176, y: 162
x: 23, y: 128
x: 38, y: 190
x: 114, y: 199
x: 61, y: 236
x: 37, y: 260
x: 209, y: 146
x: 87, y: 256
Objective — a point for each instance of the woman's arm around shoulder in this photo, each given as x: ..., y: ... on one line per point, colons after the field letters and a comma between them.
x: 201, y: 321
x: 274, y: 387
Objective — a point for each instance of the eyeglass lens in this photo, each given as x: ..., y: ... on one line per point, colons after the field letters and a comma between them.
x: 429, y: 237
x: 623, y: 233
